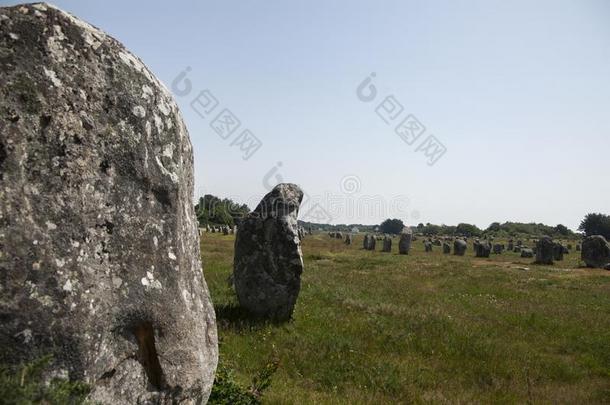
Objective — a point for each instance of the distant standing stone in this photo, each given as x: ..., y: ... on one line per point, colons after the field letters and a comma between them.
x: 446, y: 248
x: 511, y: 245
x: 225, y: 230
x: 387, y: 244
x: 268, y: 260
x: 348, y: 239
x: 527, y: 253
x: 404, y: 243
x: 338, y: 235
x: 595, y: 251
x: 545, y: 249
x: 428, y: 246
x: 498, y: 248
x: 483, y: 249
x: 459, y: 247
x: 558, y: 251
x: 365, y: 241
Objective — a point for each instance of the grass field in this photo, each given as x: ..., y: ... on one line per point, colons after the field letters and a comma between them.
x: 372, y: 327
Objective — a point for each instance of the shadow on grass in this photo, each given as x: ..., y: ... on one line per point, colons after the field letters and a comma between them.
x: 233, y: 316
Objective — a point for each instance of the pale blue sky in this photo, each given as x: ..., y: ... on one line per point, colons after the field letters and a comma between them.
x: 517, y: 91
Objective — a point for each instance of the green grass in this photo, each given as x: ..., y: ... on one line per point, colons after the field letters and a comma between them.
x: 372, y: 327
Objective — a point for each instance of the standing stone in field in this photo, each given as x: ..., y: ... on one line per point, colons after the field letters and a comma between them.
x: 545, y: 249
x: 348, y: 239
x: 527, y: 253
x: 483, y: 249
x: 404, y: 243
x: 428, y: 246
x: 225, y: 230
x: 99, y: 258
x: 338, y: 235
x: 459, y: 247
x: 446, y: 248
x: 558, y: 251
x: 595, y: 251
x: 372, y: 243
x: 498, y: 248
x: 268, y: 260
x: 511, y: 245
x: 310, y: 230
x: 213, y: 229
x: 437, y: 242
x: 365, y: 242
x: 207, y: 228
x: 387, y: 244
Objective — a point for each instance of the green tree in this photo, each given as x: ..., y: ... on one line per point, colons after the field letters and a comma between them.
x: 393, y: 226
x: 212, y: 210
x: 562, y: 230
x: 468, y: 230
x: 494, y: 227
x: 596, y: 224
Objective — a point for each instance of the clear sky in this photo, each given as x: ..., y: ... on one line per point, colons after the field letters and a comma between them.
x: 518, y: 92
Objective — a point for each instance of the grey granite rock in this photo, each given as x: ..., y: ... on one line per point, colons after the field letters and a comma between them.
x: 100, y: 253
x: 268, y: 260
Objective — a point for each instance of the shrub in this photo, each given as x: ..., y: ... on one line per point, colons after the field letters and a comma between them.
x: 227, y: 391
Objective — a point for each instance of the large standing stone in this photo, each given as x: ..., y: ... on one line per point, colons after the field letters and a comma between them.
x: 545, y: 249
x: 387, y: 244
x: 482, y: 249
x: 459, y: 247
x: 268, y: 260
x: 595, y: 251
x: 404, y: 243
x: 100, y: 257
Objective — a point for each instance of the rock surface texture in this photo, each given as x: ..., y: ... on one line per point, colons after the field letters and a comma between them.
x: 595, y: 251
x: 100, y: 258
x: 268, y: 260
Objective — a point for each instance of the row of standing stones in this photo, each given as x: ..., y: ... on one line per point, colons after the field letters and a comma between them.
x: 595, y: 250
x: 100, y: 251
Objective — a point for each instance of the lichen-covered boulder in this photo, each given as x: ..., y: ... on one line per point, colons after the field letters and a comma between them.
x: 404, y: 242
x: 595, y: 251
x: 99, y: 261
x: 459, y: 247
x: 545, y: 250
x: 268, y: 260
